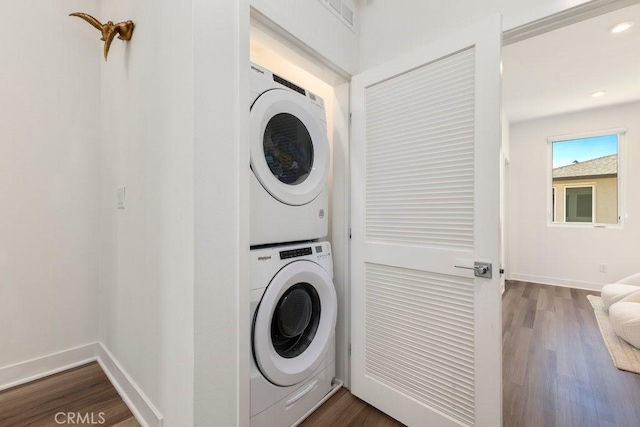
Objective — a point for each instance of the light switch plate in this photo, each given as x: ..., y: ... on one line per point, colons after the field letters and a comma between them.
x: 121, y: 195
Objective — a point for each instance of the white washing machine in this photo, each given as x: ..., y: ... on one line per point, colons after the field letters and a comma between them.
x: 293, y: 310
x: 289, y: 161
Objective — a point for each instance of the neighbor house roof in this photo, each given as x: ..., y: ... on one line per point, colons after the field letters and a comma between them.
x: 607, y: 165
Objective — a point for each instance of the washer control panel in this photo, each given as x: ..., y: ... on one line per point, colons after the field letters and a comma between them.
x: 265, y: 262
x: 295, y: 253
x: 321, y: 251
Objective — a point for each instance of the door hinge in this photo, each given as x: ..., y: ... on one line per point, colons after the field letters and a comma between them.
x: 349, y: 349
x: 349, y: 233
x: 349, y: 118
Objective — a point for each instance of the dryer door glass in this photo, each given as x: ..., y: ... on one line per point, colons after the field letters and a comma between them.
x: 288, y: 149
x: 289, y: 146
x: 295, y: 320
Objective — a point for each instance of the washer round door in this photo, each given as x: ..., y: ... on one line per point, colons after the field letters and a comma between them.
x: 289, y: 147
x: 294, y: 323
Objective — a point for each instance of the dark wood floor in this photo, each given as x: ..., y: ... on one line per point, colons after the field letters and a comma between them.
x: 80, y: 394
x: 344, y: 409
x: 556, y: 373
x: 556, y: 368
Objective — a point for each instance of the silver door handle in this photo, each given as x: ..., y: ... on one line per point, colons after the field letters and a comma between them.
x: 480, y: 269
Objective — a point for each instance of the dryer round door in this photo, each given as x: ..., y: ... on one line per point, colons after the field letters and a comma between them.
x: 294, y: 323
x: 289, y: 147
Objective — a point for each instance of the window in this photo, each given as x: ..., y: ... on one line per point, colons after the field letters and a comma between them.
x: 579, y: 203
x: 585, y: 179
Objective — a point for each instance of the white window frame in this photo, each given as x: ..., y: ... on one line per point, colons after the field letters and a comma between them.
x: 593, y: 202
x: 622, y: 161
x: 554, y: 202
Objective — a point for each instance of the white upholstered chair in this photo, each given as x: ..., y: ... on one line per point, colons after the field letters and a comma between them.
x: 625, y: 318
x: 621, y: 289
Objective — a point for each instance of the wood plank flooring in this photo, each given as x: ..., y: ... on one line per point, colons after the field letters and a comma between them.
x: 344, y: 409
x: 556, y: 373
x: 556, y: 368
x: 79, y: 394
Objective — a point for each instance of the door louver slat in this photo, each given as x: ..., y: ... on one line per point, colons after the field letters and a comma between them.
x: 420, y: 336
x: 409, y: 156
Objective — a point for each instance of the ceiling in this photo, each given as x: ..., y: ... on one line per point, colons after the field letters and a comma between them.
x: 558, y: 71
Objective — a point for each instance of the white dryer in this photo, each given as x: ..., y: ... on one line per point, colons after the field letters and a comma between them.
x: 289, y: 161
x: 293, y: 310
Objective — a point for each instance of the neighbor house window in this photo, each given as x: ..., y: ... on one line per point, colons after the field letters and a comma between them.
x: 579, y: 203
x: 585, y: 179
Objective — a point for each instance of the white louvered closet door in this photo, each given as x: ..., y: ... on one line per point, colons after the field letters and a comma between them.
x: 426, y: 336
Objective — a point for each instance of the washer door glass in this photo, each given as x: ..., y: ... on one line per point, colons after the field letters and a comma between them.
x: 295, y: 320
x: 294, y: 323
x: 289, y: 146
x: 288, y: 149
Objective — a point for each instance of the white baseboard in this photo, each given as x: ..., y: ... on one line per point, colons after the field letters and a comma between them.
x: 133, y: 396
x: 589, y: 286
x: 30, y: 370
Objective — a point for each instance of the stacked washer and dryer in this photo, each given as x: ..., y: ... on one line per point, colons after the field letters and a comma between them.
x: 293, y: 299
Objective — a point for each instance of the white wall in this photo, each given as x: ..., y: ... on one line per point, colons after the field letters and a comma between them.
x: 315, y: 26
x: 147, y: 250
x: 569, y: 256
x: 49, y: 136
x: 162, y: 283
x: 390, y: 28
x: 222, y: 328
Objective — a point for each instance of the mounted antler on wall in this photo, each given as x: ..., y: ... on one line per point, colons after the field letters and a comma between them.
x: 123, y: 30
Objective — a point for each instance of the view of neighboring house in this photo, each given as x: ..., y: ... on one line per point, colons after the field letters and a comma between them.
x: 587, y: 191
